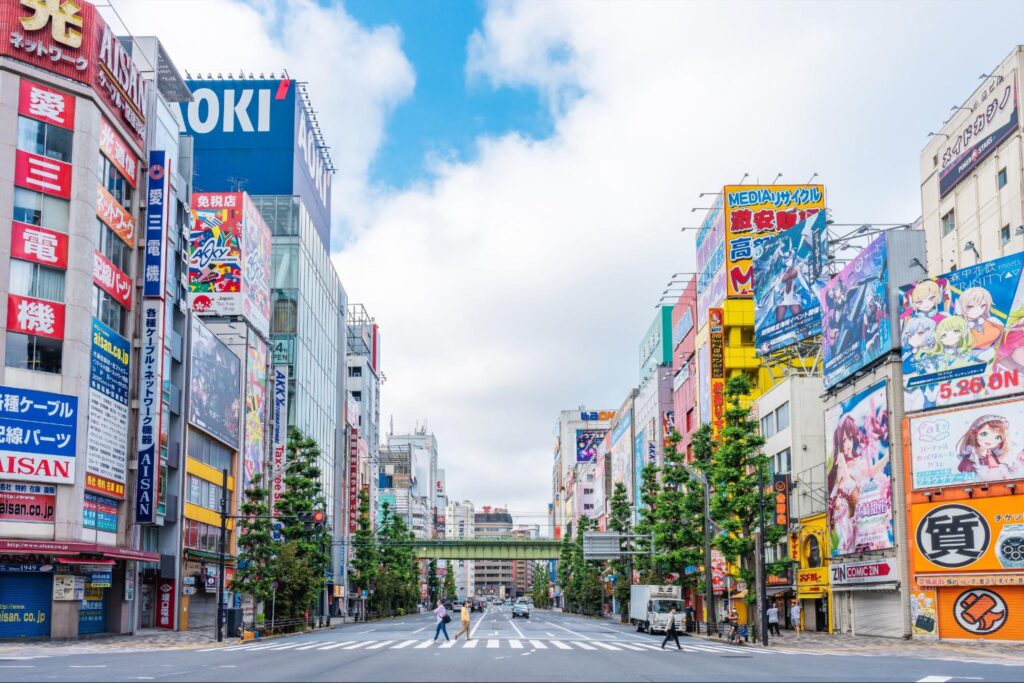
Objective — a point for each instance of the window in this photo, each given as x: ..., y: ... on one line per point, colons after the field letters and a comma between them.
x: 588, y: 492
x: 30, y: 352
x: 115, y: 183
x: 768, y: 425
x: 948, y: 222
x: 782, y: 417
x: 44, y: 139
x: 113, y: 247
x: 355, y: 371
x: 1002, y: 177
x: 209, y: 452
x: 284, y: 266
x: 357, y: 396
x: 109, y: 311
x: 284, y: 311
x: 746, y: 336
x: 36, y: 208
x: 36, y: 281
x: 689, y: 420
x: 780, y: 461
x: 204, y: 493
x: 1004, y: 234
x: 200, y: 536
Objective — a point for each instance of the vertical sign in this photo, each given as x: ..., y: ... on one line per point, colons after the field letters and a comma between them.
x: 150, y: 397
x: 716, y: 330
x: 279, y: 437
x: 165, y: 604
x: 780, y: 498
x: 107, y: 450
x: 353, y: 480
x: 155, y: 262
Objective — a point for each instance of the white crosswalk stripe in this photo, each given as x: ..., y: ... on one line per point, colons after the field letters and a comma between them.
x: 560, y: 645
x: 425, y: 643
x: 538, y: 644
x: 448, y: 643
x: 404, y: 643
x: 284, y: 647
x: 334, y: 645
x: 471, y: 644
x: 580, y: 644
x: 377, y: 646
x: 492, y: 644
x: 356, y: 645
x: 632, y: 646
x: 308, y: 647
x: 515, y: 644
x: 606, y: 646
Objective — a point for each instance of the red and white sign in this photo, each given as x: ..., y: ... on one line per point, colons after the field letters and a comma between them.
x: 27, y: 502
x: 353, y: 480
x: 104, y: 486
x: 35, y: 316
x: 115, y: 216
x: 42, y: 174
x: 111, y: 279
x: 39, y: 245
x: 115, y: 149
x: 35, y: 467
x: 871, y: 571
x: 41, y: 103
x: 165, y: 597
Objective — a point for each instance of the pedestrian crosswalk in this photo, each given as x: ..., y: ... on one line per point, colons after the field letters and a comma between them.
x: 489, y: 644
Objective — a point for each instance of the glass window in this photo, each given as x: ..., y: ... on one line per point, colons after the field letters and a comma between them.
x: 781, y: 461
x: 34, y: 280
x: 111, y: 246
x: 44, y: 139
x: 109, y: 311
x: 30, y: 352
x: 284, y: 312
x: 782, y: 417
x: 355, y: 371
x: 40, y: 209
x: 1004, y: 234
x: 357, y: 396
x: 949, y: 222
x: 115, y: 183
x: 284, y: 268
x: 768, y: 425
x: 1002, y: 177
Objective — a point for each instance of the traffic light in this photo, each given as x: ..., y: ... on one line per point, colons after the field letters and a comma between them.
x: 312, y: 520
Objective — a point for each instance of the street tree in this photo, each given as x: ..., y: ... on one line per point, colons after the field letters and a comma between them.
x: 619, y: 520
x: 433, y: 585
x: 366, y: 558
x: 449, y: 582
x: 539, y: 590
x: 647, y: 512
x: 256, y: 546
x: 678, y: 519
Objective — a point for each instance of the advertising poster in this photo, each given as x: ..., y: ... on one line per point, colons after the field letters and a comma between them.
x: 855, y: 314
x: 983, y: 535
x: 622, y: 460
x: 789, y: 276
x: 255, y: 409
x: 859, y: 474
x: 38, y: 436
x: 107, y: 452
x: 256, y: 275
x: 716, y: 393
x: 994, y: 119
x: 711, y: 262
x: 754, y: 212
x: 27, y: 502
x: 963, y: 335
x: 215, y: 253
x: 279, y: 436
x: 151, y: 364
x: 215, y: 386
x: 968, y: 445
x: 587, y: 441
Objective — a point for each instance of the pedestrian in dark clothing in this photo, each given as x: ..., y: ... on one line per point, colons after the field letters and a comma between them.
x: 671, y: 632
x: 442, y: 621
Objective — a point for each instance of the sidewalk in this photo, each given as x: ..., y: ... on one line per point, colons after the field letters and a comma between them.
x: 991, y: 650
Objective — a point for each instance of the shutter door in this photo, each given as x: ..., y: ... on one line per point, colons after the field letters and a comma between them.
x: 25, y: 601
x: 877, y: 613
x: 989, y: 612
x: 92, y: 612
x: 202, y: 611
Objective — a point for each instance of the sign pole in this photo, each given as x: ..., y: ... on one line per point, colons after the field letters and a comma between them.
x: 709, y: 586
x: 762, y: 589
x: 220, y: 559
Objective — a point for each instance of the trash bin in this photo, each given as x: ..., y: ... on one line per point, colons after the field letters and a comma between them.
x: 234, y: 621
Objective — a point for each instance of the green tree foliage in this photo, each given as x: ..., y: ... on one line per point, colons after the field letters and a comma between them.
x: 679, y: 516
x: 292, y: 600
x: 449, y: 582
x: 366, y: 558
x: 580, y: 579
x: 396, y: 581
x: 539, y: 590
x: 256, y: 547
x: 433, y: 585
x: 650, y: 489
x: 620, y: 520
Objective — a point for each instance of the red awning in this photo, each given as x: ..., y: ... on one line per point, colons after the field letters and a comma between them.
x: 73, y: 560
x: 75, y: 548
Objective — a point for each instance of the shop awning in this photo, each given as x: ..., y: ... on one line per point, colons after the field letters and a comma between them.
x: 70, y: 548
x: 75, y: 560
x: 775, y: 590
x: 845, y: 588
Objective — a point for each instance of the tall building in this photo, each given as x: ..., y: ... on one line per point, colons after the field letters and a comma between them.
x: 73, y: 482
x: 523, y: 570
x: 578, y: 436
x: 972, y: 175
x: 493, y: 577
x: 460, y: 524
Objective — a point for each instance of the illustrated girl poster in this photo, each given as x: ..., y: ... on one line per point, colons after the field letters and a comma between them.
x: 963, y: 335
x: 859, y: 473
x: 984, y: 444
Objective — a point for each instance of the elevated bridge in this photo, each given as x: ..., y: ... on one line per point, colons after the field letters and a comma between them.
x: 487, y: 549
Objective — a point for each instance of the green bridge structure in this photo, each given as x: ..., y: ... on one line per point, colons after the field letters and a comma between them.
x: 487, y: 549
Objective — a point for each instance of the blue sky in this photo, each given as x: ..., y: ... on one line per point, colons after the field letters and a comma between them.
x: 446, y: 114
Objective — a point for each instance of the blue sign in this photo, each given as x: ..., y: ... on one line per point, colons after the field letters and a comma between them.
x: 109, y: 363
x: 625, y: 422
x: 682, y: 327
x: 100, y: 513
x: 147, y: 478
x: 258, y: 133
x: 154, y: 263
x: 37, y: 435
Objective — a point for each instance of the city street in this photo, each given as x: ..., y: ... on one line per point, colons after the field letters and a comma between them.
x: 549, y: 646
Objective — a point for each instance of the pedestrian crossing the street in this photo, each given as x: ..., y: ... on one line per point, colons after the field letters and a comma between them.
x: 507, y: 644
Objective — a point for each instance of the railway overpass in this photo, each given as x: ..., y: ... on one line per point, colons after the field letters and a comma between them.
x: 487, y: 549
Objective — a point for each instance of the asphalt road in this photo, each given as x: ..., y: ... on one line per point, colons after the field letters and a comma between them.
x: 547, y: 647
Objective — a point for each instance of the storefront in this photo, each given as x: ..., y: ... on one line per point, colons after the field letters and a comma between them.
x: 867, y: 598
x: 812, y: 579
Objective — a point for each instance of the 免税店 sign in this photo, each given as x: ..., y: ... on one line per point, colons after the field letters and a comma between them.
x: 871, y: 571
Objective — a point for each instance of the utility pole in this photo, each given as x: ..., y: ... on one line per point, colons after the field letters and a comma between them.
x: 709, y: 587
x: 220, y: 559
x: 762, y: 589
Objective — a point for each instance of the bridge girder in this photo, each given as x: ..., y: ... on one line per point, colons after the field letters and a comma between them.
x: 479, y: 549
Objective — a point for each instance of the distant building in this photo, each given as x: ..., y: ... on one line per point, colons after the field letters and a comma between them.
x: 460, y: 524
x: 493, y: 577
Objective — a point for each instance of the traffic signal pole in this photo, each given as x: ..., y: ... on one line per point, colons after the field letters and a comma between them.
x: 220, y: 559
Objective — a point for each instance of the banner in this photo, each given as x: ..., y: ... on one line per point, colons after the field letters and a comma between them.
x: 214, y: 386
x: 107, y: 450
x: 855, y: 314
x: 255, y: 409
x: 155, y: 261
x: 215, y: 254
x: 789, y: 276
x: 711, y: 262
x: 38, y: 436
x: 622, y: 453
x: 716, y: 395
x: 963, y: 335
x: 27, y: 502
x: 279, y: 432
x: 974, y: 535
x: 753, y: 212
x: 151, y: 370
x: 587, y: 441
x: 968, y: 445
x: 859, y: 473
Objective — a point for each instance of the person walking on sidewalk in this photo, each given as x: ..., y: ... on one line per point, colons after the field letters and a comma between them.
x: 794, y: 616
x: 773, y: 620
x: 671, y: 632
x: 464, y: 615
x: 442, y: 620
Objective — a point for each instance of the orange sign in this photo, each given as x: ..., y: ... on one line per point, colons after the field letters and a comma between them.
x: 115, y: 216
x: 974, y: 535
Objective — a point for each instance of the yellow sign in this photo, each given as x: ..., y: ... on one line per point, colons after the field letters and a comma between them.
x: 979, y: 535
x: 67, y: 23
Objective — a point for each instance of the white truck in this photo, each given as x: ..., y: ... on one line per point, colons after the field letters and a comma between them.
x: 649, y: 606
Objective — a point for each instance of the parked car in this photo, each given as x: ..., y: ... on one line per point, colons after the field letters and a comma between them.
x: 521, y: 608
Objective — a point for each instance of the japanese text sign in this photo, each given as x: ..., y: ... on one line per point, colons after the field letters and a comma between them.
x: 35, y: 316
x: 107, y: 452
x: 22, y: 502
x: 353, y: 480
x: 37, y: 101
x: 151, y: 363
x: 780, y: 499
x: 112, y: 280
x: 114, y: 216
x: 155, y: 261
x: 39, y: 245
x: 115, y: 149
x: 37, y: 435
x: 42, y: 174
x: 215, y: 253
x: 753, y: 212
x: 711, y: 262
x: 279, y: 431
x: 975, y: 535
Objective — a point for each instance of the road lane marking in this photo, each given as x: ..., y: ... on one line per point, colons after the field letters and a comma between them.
x: 308, y: 647
x: 560, y: 645
x: 567, y: 630
x: 605, y: 645
x: 425, y: 643
x: 87, y: 666
x: 631, y: 646
x: 421, y: 628
x: 582, y: 645
x: 377, y: 646
x: 284, y: 647
x: 367, y: 631
x: 538, y: 644
x: 405, y: 643
x: 357, y: 644
x: 492, y: 644
x: 17, y: 666
x: 334, y: 645
x: 447, y: 644
x: 513, y: 624
x: 471, y: 643
x: 934, y: 679
x: 515, y: 644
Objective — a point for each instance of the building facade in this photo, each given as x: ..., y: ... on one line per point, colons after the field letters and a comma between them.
x: 460, y: 523
x: 493, y: 577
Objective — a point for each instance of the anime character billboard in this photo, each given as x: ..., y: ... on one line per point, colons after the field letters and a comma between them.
x: 859, y: 475
x: 855, y: 314
x: 963, y: 335
x: 789, y: 276
x: 968, y: 445
x: 587, y: 442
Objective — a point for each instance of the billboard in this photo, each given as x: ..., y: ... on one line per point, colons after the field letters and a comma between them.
x: 155, y: 264
x: 978, y: 535
x: 968, y: 445
x: 107, y: 450
x: 859, y: 473
x: 855, y: 314
x: 711, y: 262
x: 716, y: 382
x: 256, y: 274
x: 255, y: 409
x: 621, y: 450
x: 656, y: 347
x: 215, y: 386
x: 264, y: 127
x: 994, y: 120
x: 587, y: 442
x: 39, y: 431
x: 963, y: 335
x: 278, y: 432
x: 753, y: 212
x: 704, y: 380
x: 789, y: 276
